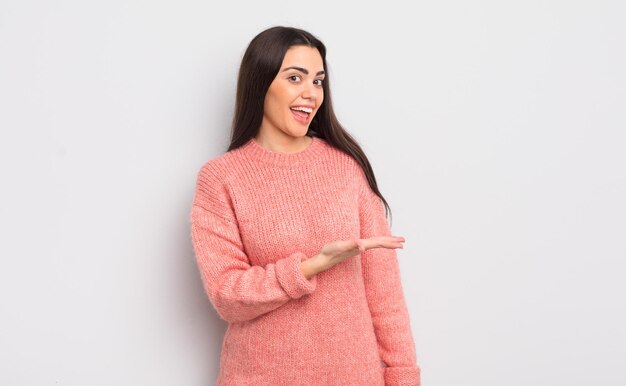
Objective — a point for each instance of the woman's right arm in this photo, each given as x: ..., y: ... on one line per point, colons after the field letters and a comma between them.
x: 238, y: 290
x: 313, y: 266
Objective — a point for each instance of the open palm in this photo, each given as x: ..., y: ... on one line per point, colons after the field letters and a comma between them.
x: 338, y: 251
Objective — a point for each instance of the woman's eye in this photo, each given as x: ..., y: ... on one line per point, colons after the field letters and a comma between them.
x: 295, y: 78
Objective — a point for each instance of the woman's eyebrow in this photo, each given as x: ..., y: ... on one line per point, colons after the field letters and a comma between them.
x: 302, y: 70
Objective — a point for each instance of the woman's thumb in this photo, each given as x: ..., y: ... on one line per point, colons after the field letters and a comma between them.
x: 360, y: 244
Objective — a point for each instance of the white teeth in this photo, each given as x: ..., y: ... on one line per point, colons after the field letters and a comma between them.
x: 305, y: 109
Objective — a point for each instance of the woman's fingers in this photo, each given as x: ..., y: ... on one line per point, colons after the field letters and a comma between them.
x: 337, y: 251
x: 379, y: 242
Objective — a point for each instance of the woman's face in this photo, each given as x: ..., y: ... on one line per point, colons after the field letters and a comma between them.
x: 298, y: 84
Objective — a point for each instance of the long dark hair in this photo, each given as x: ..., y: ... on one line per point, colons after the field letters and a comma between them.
x: 259, y: 66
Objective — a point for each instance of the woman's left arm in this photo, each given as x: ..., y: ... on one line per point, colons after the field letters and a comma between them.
x: 385, y: 296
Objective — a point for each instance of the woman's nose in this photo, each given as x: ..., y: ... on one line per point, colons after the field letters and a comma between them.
x: 311, y: 92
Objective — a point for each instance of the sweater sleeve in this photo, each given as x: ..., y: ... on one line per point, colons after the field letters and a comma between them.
x: 237, y: 290
x: 385, y: 296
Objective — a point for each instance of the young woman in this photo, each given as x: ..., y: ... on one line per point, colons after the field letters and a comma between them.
x: 291, y: 236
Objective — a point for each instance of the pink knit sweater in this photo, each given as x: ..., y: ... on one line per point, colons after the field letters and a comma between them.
x: 256, y: 215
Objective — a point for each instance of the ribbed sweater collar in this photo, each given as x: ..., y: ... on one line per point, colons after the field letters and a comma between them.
x: 255, y: 152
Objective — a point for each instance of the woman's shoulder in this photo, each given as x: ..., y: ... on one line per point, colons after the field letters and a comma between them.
x: 217, y: 169
x: 337, y: 155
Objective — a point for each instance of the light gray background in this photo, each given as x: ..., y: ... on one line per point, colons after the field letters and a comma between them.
x: 496, y: 130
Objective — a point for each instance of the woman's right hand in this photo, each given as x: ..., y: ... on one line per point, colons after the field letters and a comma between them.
x: 335, y: 252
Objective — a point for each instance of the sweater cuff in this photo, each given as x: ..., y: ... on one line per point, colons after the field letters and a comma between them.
x: 402, y: 376
x: 291, y: 277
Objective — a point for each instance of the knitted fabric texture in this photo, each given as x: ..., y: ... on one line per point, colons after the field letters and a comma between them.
x: 256, y: 214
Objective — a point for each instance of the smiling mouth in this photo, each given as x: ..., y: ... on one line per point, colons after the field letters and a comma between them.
x: 300, y: 116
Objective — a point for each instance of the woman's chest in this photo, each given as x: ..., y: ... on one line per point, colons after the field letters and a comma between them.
x: 280, y: 217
